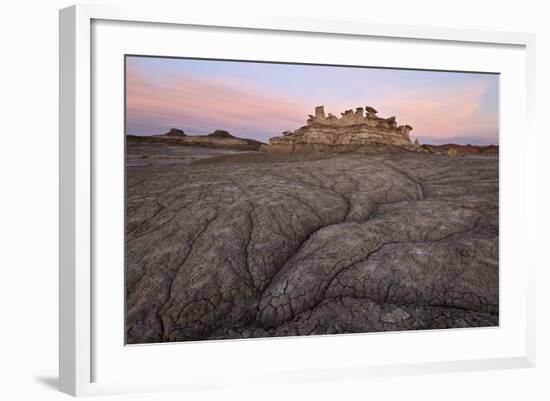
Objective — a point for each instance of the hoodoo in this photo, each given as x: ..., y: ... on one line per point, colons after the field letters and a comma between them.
x: 352, y: 130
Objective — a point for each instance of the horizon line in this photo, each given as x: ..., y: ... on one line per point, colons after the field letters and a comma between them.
x: 438, y: 142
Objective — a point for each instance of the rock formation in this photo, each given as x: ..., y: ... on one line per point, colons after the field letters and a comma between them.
x: 352, y: 129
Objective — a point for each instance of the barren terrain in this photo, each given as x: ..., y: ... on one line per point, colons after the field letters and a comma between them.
x: 240, y: 245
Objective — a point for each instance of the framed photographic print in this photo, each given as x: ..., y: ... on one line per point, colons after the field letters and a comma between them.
x: 339, y: 199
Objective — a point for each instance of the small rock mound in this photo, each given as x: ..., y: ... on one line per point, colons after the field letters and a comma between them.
x: 221, y: 134
x: 452, y: 149
x: 175, y: 132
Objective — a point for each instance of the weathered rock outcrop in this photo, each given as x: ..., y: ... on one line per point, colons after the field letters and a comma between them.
x: 351, y: 130
x: 174, y: 132
x: 217, y: 139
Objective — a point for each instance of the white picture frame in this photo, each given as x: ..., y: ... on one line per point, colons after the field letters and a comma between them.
x: 78, y: 162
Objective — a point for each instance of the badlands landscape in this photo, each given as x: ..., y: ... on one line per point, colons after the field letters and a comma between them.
x: 345, y: 225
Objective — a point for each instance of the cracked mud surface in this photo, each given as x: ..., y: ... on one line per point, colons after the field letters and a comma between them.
x: 247, y: 247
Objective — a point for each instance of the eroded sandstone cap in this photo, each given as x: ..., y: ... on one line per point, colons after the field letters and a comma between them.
x: 175, y: 132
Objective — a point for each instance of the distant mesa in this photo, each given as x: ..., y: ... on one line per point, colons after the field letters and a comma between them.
x: 352, y: 130
x: 216, y: 139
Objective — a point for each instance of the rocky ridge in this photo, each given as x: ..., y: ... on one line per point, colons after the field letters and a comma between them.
x: 217, y: 139
x: 452, y: 149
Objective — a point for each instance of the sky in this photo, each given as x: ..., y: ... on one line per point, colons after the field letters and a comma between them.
x: 262, y: 100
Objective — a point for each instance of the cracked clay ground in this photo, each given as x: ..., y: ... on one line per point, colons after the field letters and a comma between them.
x: 253, y: 247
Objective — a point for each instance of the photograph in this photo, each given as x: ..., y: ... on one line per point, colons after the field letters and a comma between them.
x: 290, y: 200
x: 274, y: 199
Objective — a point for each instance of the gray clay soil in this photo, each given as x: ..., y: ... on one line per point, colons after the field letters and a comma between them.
x: 222, y: 244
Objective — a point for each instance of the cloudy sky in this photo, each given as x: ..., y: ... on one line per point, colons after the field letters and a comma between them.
x: 261, y: 100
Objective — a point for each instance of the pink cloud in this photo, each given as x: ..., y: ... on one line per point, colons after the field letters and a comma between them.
x: 208, y: 104
x: 448, y: 111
